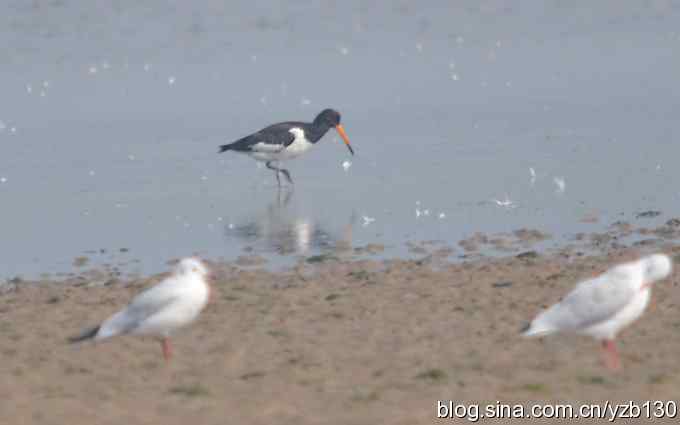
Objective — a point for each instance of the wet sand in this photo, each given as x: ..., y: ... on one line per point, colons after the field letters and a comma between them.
x: 331, y: 341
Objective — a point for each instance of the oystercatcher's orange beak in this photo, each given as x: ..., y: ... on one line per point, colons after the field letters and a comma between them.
x: 341, y: 132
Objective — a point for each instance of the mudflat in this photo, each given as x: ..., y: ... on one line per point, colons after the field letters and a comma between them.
x: 332, y: 341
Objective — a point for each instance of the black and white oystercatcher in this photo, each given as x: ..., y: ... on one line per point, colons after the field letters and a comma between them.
x: 287, y: 140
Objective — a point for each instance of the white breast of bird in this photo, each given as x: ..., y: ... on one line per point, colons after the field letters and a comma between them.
x: 300, y: 144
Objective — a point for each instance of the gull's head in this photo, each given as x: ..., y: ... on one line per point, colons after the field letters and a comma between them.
x: 192, y: 265
x: 656, y: 267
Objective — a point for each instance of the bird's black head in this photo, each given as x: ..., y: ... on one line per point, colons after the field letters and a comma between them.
x: 328, y: 117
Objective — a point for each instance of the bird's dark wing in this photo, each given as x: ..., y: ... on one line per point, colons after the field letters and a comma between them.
x: 270, y: 139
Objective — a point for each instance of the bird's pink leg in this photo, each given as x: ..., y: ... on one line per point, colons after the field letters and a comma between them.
x: 167, y: 350
x: 212, y: 296
x: 611, y: 355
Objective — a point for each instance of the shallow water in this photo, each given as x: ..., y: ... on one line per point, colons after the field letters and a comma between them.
x: 111, y: 117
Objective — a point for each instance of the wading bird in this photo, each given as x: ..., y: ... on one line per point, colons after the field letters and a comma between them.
x: 287, y: 140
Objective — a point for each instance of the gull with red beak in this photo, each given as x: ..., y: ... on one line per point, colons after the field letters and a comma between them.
x: 287, y: 140
x: 603, y: 306
x: 160, y: 310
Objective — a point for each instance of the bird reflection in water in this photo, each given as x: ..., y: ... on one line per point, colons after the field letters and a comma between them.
x: 285, y: 228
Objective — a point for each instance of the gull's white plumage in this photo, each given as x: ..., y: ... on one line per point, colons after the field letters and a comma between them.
x: 160, y: 310
x: 603, y: 306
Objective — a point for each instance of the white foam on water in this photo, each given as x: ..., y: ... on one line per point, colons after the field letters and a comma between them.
x: 367, y: 220
x: 505, y: 203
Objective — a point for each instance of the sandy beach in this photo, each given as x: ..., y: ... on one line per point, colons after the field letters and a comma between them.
x: 332, y: 341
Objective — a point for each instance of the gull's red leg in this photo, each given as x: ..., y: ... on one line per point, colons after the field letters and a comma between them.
x: 167, y: 350
x: 611, y: 355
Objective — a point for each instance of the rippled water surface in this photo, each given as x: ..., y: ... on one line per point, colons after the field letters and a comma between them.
x: 465, y: 117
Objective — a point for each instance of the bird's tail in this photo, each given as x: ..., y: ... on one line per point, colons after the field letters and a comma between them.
x: 536, y: 328
x: 85, y: 335
x: 224, y: 148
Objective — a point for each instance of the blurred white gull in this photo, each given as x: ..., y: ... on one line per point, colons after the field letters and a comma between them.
x: 602, y: 306
x: 173, y: 303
